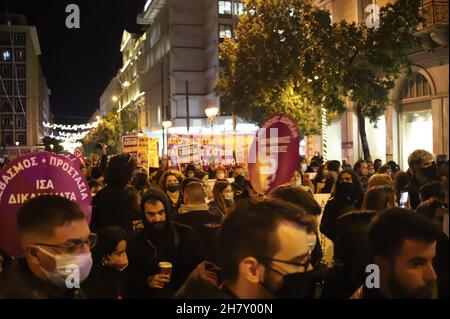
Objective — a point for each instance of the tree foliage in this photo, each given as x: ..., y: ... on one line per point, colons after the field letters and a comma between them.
x: 288, y: 56
x: 47, y: 141
x: 109, y: 131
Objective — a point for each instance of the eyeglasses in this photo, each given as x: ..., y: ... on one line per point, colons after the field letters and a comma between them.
x: 304, y: 265
x: 75, y: 245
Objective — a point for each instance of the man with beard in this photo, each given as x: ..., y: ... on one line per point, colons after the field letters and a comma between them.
x: 362, y: 170
x: 162, y: 240
x: 423, y: 167
x: 402, y: 244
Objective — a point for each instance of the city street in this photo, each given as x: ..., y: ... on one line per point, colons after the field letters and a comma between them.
x: 239, y: 149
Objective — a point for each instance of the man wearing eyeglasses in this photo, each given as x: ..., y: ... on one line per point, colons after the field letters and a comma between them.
x: 264, y: 253
x: 56, y: 243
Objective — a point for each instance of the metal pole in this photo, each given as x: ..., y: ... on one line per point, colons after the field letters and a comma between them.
x: 187, y: 106
x: 120, y: 127
x: 162, y: 91
x: 4, y: 139
x: 164, y: 142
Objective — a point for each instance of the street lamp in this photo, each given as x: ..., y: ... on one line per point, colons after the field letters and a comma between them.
x: 52, y: 146
x: 211, y: 112
x: 166, y: 125
x: 114, y: 98
x: 18, y: 149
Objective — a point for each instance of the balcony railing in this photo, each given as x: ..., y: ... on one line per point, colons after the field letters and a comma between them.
x: 435, y: 13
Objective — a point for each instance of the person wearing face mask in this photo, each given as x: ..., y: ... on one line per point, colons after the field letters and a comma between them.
x: 320, y: 178
x: 114, y: 205
x: 424, y: 170
x: 220, y: 173
x: 241, y: 186
x: 346, y: 195
x: 361, y: 169
x: 303, y: 167
x: 170, y: 183
x: 305, y: 200
x: 298, y: 181
x: 223, y: 197
x: 54, y: 234
x: 317, y: 158
x: 190, y: 170
x: 161, y: 240
x: 263, y: 253
x: 313, y: 167
x: 370, y: 169
x: 108, y: 278
x: 333, y: 168
x: 351, y: 247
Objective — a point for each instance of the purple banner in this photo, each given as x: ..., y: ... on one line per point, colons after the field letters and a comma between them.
x: 33, y: 175
x: 274, y: 154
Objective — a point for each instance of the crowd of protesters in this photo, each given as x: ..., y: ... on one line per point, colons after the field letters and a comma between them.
x: 219, y: 238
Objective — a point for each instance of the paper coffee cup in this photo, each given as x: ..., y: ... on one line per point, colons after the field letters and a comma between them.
x: 165, y: 267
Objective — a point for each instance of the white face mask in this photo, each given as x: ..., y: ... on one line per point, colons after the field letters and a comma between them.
x: 64, y: 267
x: 229, y: 196
x: 304, y: 167
x: 298, y: 183
x: 312, y: 241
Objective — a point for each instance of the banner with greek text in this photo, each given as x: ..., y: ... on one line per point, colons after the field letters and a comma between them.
x: 33, y: 175
x: 226, y: 149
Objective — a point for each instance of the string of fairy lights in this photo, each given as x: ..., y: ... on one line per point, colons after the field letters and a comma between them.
x: 71, y: 135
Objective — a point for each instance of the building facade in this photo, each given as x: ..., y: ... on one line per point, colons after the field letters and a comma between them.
x: 110, y: 96
x: 181, y: 63
x: 417, y: 115
x: 168, y: 72
x: 24, y: 94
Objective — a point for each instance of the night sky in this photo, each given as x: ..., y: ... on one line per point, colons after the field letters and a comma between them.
x: 78, y: 63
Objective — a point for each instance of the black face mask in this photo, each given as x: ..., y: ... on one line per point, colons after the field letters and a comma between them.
x: 157, y: 224
x: 239, y: 179
x: 300, y: 285
x: 173, y: 188
x: 430, y: 171
x: 346, y: 189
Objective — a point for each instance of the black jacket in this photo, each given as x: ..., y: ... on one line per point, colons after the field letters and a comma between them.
x: 113, y: 206
x: 105, y: 282
x: 242, y: 190
x: 335, y: 208
x: 199, y: 286
x: 205, y: 223
x: 144, y: 257
x: 328, y: 185
x: 5, y: 261
x: 441, y: 265
x: 19, y: 282
x: 351, y: 254
x: 176, y: 243
x: 413, y: 188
